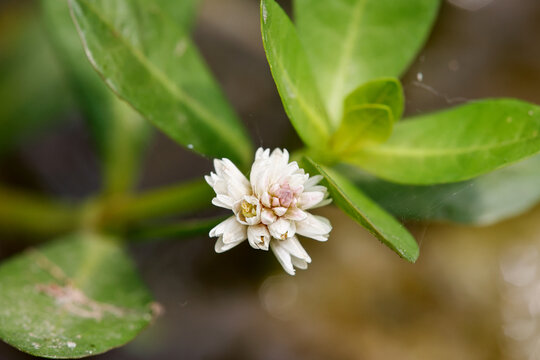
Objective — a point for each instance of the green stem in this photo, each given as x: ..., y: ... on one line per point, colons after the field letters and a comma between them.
x: 182, y: 230
x: 38, y: 215
x: 32, y: 214
x: 180, y: 199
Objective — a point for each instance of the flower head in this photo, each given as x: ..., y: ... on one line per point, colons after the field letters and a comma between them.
x: 270, y: 209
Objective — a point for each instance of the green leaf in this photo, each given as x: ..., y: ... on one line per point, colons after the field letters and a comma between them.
x: 485, y: 200
x: 76, y: 297
x: 150, y: 61
x: 384, y: 91
x: 292, y: 74
x: 350, y: 42
x: 367, y: 213
x: 456, y: 144
x: 362, y: 125
x: 119, y: 132
x: 32, y: 87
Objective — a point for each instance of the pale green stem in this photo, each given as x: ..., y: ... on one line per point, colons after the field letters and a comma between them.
x: 181, y: 230
x: 180, y: 199
x: 35, y: 214
x: 38, y: 215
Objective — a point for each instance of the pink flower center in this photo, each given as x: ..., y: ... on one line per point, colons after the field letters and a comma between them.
x: 285, y: 195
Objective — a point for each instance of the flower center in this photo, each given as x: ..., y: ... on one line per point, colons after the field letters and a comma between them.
x: 248, y: 210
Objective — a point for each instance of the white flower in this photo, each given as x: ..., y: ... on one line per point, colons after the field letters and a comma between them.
x: 270, y: 208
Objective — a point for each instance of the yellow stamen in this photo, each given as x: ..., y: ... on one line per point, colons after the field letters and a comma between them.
x: 248, y: 210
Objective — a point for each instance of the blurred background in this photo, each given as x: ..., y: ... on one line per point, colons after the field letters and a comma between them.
x: 474, y: 293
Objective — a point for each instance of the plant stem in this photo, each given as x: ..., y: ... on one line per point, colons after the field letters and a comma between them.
x: 179, y: 199
x: 184, y: 229
x: 33, y: 214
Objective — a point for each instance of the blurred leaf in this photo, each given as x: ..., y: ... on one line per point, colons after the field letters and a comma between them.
x: 32, y: 89
x: 362, y: 125
x: 149, y: 60
x: 455, y: 144
x: 352, y: 41
x: 485, y: 200
x: 119, y: 132
x: 367, y: 213
x: 385, y: 91
x: 292, y: 74
x: 76, y: 297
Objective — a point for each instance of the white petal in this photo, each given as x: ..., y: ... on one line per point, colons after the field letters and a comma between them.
x: 235, y: 232
x: 267, y: 216
x: 223, y: 201
x: 322, y: 203
x: 280, y: 211
x: 315, y: 227
x: 220, y: 228
x: 299, y: 263
x: 259, y: 237
x: 283, y: 256
x: 220, y: 246
x: 262, y: 153
x: 312, y: 181
x: 293, y: 247
x: 290, y: 254
x: 297, y: 180
x: 308, y: 200
x: 282, y: 229
x: 295, y: 214
x: 236, y: 182
x: 320, y: 188
x: 265, y: 199
x: 209, y: 179
x: 230, y: 231
x: 259, y: 176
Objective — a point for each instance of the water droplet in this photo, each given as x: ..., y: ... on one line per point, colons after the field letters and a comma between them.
x: 420, y: 77
x: 71, y: 345
x: 190, y: 146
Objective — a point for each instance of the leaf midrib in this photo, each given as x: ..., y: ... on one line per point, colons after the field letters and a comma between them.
x: 433, y: 152
x: 209, y: 119
x: 346, y: 55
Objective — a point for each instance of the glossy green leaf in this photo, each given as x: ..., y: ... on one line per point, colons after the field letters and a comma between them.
x: 76, y: 297
x: 485, y: 200
x: 367, y: 213
x: 362, y: 125
x: 350, y: 42
x: 150, y: 61
x: 293, y: 76
x: 32, y: 87
x: 119, y: 131
x: 455, y: 144
x: 384, y: 91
